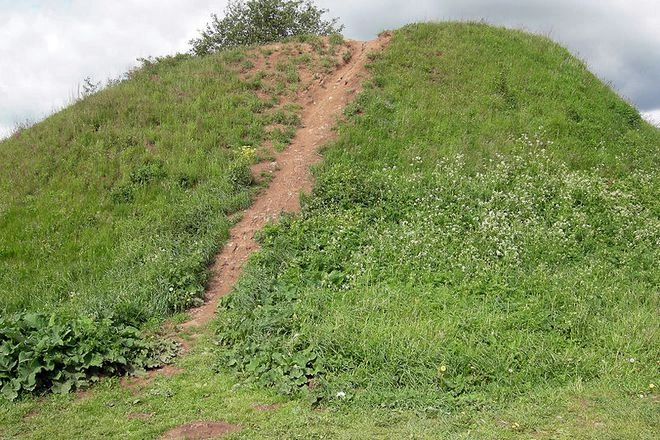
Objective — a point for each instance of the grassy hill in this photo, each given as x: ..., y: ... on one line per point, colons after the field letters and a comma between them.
x: 486, y: 223
x: 117, y: 203
x: 478, y: 258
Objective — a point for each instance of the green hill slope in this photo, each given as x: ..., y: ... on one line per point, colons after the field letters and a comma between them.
x: 116, y: 204
x: 149, y: 157
x: 486, y: 225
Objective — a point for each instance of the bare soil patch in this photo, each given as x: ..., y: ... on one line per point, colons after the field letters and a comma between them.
x: 200, y: 430
x: 137, y: 384
x: 139, y: 416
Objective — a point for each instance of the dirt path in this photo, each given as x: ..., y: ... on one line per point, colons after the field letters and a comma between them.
x: 322, y: 105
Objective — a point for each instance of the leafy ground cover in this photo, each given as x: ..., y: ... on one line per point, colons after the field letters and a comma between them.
x: 477, y: 260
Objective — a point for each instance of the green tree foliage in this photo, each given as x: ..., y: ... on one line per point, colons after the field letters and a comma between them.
x: 254, y: 22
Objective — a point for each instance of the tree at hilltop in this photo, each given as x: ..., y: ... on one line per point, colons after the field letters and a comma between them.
x: 254, y: 22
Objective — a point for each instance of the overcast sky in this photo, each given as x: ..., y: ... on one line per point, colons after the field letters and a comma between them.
x: 47, y: 47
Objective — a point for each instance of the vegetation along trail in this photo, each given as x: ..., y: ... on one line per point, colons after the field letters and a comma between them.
x: 322, y: 104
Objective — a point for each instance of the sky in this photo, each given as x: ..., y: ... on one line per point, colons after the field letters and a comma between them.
x: 48, y: 47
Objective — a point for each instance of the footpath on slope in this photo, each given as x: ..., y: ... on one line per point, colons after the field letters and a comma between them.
x: 322, y: 106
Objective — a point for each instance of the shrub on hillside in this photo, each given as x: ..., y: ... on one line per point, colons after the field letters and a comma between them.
x: 254, y: 22
x: 53, y: 353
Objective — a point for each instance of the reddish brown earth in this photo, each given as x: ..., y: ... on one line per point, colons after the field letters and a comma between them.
x: 200, y: 431
x: 136, y: 384
x: 322, y: 105
x: 139, y: 416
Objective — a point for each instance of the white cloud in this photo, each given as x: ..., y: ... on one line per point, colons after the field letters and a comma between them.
x: 652, y: 117
x: 5, y: 131
x: 48, y: 47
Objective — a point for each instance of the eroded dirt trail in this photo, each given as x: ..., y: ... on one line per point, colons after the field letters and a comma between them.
x: 322, y: 105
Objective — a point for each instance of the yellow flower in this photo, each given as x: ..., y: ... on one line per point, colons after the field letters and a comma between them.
x: 442, y: 369
x: 248, y: 153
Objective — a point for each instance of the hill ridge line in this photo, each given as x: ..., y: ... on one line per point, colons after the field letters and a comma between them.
x: 322, y: 105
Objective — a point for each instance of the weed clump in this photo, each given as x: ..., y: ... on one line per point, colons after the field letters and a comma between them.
x: 59, y: 354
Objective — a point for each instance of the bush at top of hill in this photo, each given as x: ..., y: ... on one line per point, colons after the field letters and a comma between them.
x: 255, y: 22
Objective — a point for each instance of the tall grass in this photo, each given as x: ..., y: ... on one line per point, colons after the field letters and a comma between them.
x: 485, y: 225
x: 116, y: 205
